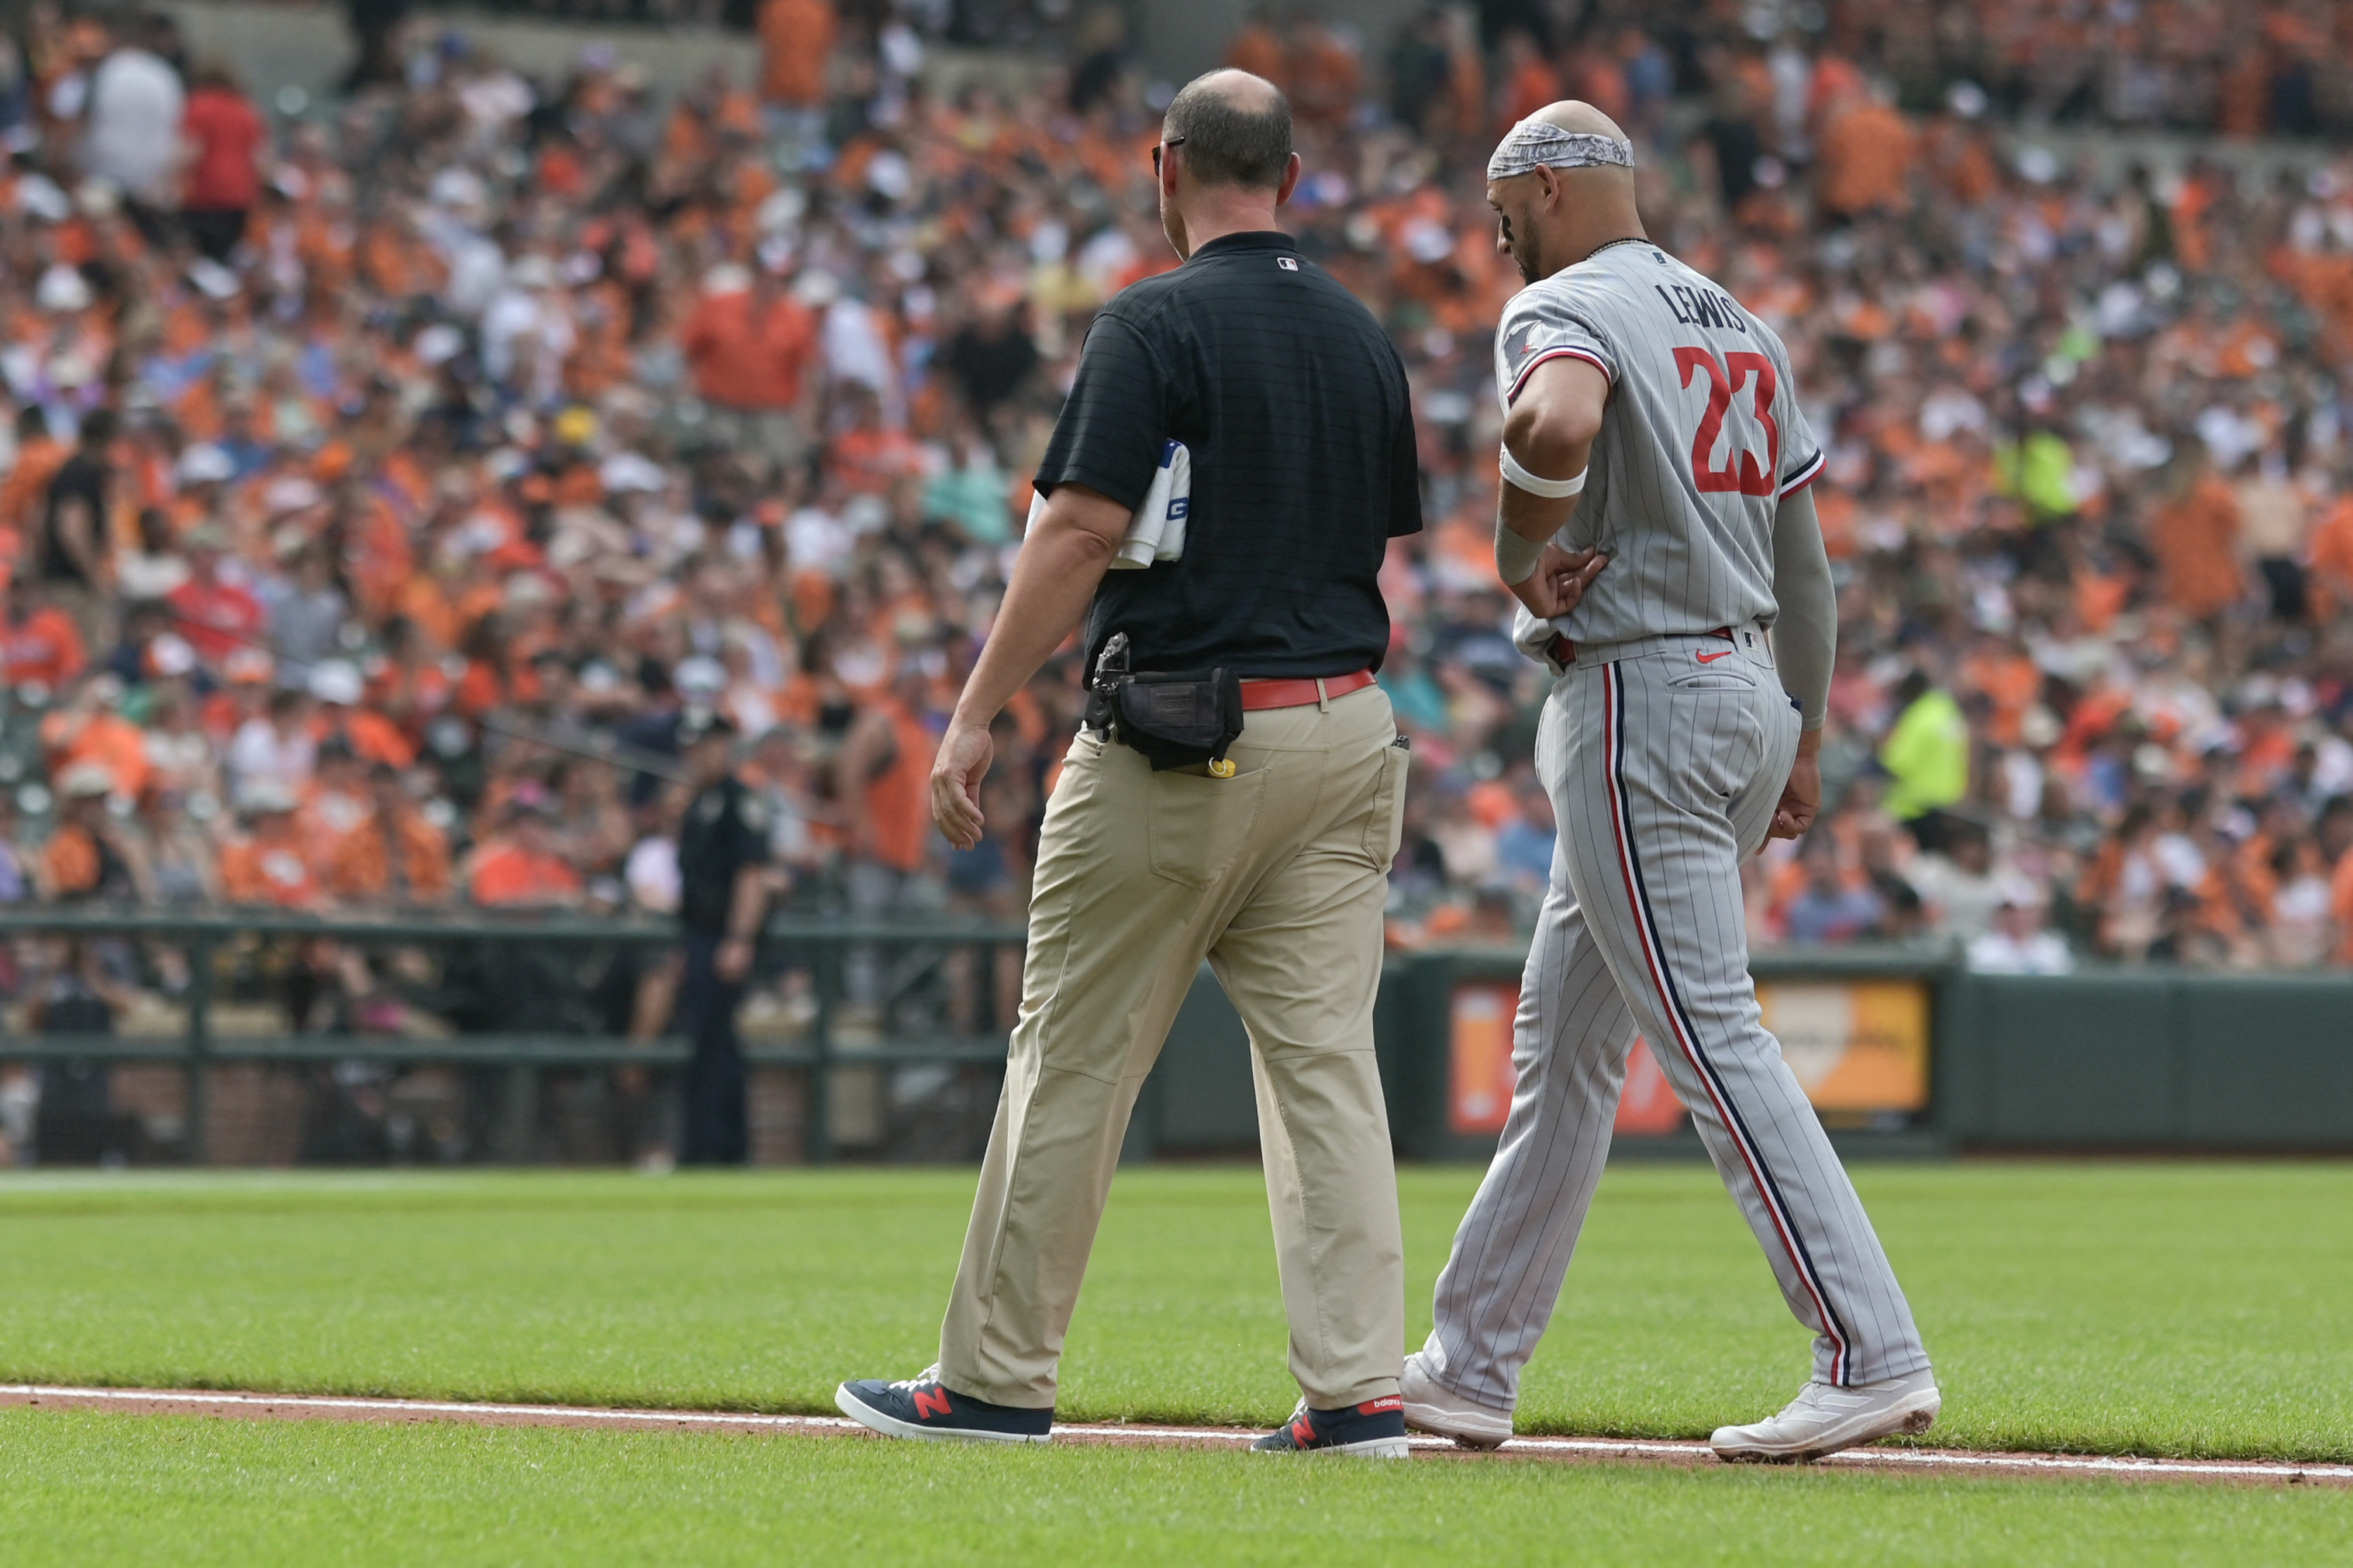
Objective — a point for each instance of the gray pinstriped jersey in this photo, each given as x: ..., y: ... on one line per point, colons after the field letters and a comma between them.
x: 1701, y: 437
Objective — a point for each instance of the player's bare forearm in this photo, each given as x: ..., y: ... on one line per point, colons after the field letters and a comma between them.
x: 1550, y: 431
x: 1054, y: 578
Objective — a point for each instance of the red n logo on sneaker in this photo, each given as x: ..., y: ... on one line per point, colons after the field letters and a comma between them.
x: 930, y: 1402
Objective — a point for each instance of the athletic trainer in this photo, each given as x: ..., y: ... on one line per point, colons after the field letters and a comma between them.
x: 1239, y: 441
x: 1688, y: 615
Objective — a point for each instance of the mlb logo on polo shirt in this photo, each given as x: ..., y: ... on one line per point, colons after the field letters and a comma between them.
x: 1286, y: 263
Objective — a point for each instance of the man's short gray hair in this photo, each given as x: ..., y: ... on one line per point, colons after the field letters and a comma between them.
x: 1226, y: 143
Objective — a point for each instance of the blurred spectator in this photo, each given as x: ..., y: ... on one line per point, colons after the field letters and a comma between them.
x: 88, y: 858
x: 132, y: 136
x: 750, y: 345
x: 1523, y: 844
x: 69, y: 557
x: 1958, y: 886
x: 1831, y: 909
x: 1926, y: 755
x: 226, y: 140
x: 391, y: 855
x: 270, y: 864
x: 519, y: 868
x: 40, y: 644
x: 2014, y: 942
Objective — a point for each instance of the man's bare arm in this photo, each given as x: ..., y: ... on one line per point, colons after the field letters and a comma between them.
x: 1067, y: 552
x: 77, y: 532
x: 1549, y: 432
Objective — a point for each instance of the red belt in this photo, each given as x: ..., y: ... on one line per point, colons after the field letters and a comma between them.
x: 1563, y: 652
x: 1261, y: 694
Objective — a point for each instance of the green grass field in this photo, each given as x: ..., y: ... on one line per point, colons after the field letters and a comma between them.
x: 2166, y: 1309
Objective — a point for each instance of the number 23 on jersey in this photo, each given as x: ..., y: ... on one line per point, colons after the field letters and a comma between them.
x: 1726, y: 378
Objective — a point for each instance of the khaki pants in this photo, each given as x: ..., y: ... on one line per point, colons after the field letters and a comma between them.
x: 1277, y: 877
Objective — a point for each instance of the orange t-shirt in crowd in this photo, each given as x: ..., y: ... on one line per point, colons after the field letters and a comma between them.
x: 364, y: 863
x: 374, y: 738
x: 269, y: 870
x: 796, y: 42
x: 507, y: 873
x: 898, y: 803
x: 744, y: 359
x: 38, y: 462
x: 1532, y: 86
x: 110, y: 740
x: 1866, y: 158
x: 1257, y: 49
x: 47, y: 649
x: 2195, y: 539
x: 69, y: 861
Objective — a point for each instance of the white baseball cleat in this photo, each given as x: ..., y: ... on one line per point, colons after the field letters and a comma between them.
x: 1823, y: 1419
x: 1430, y: 1406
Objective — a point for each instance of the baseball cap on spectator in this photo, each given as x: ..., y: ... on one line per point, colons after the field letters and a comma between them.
x: 215, y: 280
x: 2020, y: 891
x: 288, y: 493
x: 631, y: 471
x: 206, y: 463
x: 85, y: 780
x: 169, y: 657
x: 336, y: 681
x: 265, y: 797
x: 62, y: 291
x: 699, y: 676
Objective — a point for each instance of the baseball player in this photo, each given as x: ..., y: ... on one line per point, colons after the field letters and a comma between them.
x: 1686, y: 608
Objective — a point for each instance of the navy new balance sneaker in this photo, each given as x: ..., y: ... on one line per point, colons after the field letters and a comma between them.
x: 923, y: 1407
x: 1373, y: 1430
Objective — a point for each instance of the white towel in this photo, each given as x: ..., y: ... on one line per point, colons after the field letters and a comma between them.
x: 1155, y: 529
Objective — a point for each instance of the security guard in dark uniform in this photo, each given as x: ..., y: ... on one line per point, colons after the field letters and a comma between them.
x: 723, y: 864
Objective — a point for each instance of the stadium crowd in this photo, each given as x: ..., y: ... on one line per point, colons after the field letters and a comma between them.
x: 386, y: 481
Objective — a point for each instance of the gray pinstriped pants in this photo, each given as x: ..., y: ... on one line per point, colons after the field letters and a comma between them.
x: 1664, y: 768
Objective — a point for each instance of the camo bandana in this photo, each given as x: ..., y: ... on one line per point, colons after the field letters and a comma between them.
x: 1534, y: 145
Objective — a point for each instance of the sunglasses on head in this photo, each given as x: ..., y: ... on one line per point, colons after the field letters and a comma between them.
x: 1172, y: 142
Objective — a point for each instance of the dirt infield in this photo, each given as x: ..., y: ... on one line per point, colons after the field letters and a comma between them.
x: 1557, y: 1450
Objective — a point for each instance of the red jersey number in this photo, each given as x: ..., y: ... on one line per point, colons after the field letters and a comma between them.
x: 1741, y: 473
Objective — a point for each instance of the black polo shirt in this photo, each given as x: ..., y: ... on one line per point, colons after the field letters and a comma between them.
x: 725, y: 830
x: 1292, y: 404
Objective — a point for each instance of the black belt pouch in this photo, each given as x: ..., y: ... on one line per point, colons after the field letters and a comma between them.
x: 1177, y: 718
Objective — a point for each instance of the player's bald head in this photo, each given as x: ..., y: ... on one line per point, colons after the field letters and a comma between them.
x: 1590, y: 148
x: 1562, y: 181
x: 1236, y: 130
x: 1576, y: 115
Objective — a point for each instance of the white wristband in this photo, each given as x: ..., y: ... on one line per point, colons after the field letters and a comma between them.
x: 1535, y: 484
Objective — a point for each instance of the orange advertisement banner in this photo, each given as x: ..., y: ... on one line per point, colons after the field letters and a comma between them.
x: 1856, y: 1046
x: 1481, y: 1078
